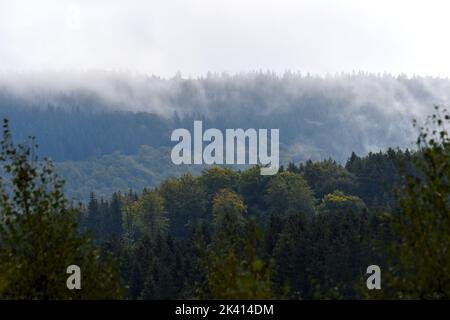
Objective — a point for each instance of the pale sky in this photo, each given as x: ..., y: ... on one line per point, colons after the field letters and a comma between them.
x: 196, y: 36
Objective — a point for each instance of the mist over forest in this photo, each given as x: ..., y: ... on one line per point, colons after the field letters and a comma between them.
x: 225, y: 155
x: 116, y: 125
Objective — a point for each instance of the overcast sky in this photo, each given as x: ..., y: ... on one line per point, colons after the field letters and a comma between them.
x: 165, y: 36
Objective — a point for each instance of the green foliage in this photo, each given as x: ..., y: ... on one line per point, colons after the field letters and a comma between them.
x: 324, y: 256
x: 232, y: 263
x: 326, y: 176
x: 218, y: 178
x: 111, y: 173
x: 113, y: 221
x: 157, y: 267
x: 288, y: 193
x: 337, y: 202
x: 228, y: 219
x: 291, y: 257
x: 151, y: 215
x: 379, y: 174
x: 422, y: 225
x: 310, y: 249
x: 342, y: 237
x: 251, y: 184
x: 200, y: 237
x: 185, y: 201
x: 307, y: 251
x: 38, y: 234
x: 236, y: 271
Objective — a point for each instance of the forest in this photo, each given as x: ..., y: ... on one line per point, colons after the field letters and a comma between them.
x: 111, y: 131
x: 308, y: 232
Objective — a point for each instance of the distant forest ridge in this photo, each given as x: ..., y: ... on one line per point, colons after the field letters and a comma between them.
x: 79, y: 115
x: 119, y: 124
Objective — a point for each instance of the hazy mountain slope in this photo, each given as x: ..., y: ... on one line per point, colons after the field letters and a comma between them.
x: 102, y: 119
x: 107, y: 174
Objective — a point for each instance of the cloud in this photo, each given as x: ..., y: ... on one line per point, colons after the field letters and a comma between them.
x: 331, y: 115
x: 198, y: 36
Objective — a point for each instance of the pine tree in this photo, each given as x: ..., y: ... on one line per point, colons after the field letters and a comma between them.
x: 93, y: 220
x: 115, y: 216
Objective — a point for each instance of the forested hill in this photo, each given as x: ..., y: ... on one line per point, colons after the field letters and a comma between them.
x: 95, y: 123
x: 82, y: 115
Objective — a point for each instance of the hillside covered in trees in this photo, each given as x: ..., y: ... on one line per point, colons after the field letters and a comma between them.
x: 147, y: 229
x: 308, y: 232
x: 111, y: 131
